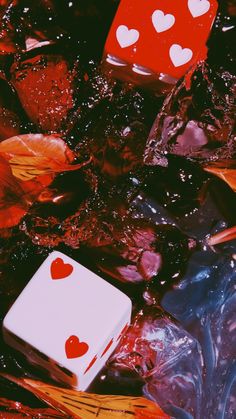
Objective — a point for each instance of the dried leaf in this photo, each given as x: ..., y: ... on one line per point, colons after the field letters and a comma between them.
x: 225, y: 170
x: 33, y: 155
x: 16, y: 410
x: 223, y: 236
x: 83, y: 405
x: 28, y: 164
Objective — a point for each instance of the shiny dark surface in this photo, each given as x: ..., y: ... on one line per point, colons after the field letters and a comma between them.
x: 142, y: 227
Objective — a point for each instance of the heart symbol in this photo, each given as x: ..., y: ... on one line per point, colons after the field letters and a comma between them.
x: 162, y: 22
x: 74, y: 348
x: 179, y: 55
x: 198, y: 7
x: 60, y: 270
x: 126, y: 37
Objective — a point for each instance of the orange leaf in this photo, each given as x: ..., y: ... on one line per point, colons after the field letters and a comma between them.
x: 225, y: 170
x: 223, y: 236
x: 83, y: 405
x: 29, y: 163
x: 33, y: 155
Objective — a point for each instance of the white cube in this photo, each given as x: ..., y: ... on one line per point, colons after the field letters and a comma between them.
x: 67, y: 320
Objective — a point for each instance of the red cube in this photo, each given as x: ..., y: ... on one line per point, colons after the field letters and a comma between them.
x: 157, y: 38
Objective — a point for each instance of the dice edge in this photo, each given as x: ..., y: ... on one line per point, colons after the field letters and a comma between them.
x: 126, y: 319
x: 34, y: 358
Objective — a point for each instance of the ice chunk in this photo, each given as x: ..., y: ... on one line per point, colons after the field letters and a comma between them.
x: 166, y: 357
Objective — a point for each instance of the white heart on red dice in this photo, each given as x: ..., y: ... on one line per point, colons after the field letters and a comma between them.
x: 162, y: 22
x: 179, y: 55
x: 198, y: 7
x: 143, y: 32
x: 126, y: 37
x: 67, y: 320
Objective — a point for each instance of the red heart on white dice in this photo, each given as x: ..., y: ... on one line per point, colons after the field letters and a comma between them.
x: 74, y: 348
x: 60, y: 269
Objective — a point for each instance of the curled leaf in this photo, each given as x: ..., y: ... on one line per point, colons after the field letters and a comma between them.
x: 28, y: 164
x: 83, y: 405
x: 225, y: 170
x: 223, y: 236
x: 33, y: 155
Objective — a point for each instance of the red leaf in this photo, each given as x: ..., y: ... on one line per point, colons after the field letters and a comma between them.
x: 225, y: 170
x: 29, y: 163
x: 13, y: 204
x: 223, y: 236
x: 33, y: 155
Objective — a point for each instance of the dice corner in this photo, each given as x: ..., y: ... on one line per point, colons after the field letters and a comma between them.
x: 6, y: 324
x: 127, y: 303
x: 129, y: 307
x: 55, y: 254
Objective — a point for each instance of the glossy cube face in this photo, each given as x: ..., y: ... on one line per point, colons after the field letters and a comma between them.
x: 67, y: 320
x: 164, y: 37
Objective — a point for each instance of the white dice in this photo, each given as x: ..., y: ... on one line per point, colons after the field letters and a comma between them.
x: 67, y: 320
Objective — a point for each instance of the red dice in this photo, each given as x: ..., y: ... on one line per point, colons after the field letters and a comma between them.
x: 159, y: 37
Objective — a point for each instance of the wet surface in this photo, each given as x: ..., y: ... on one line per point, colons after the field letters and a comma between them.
x: 142, y: 227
